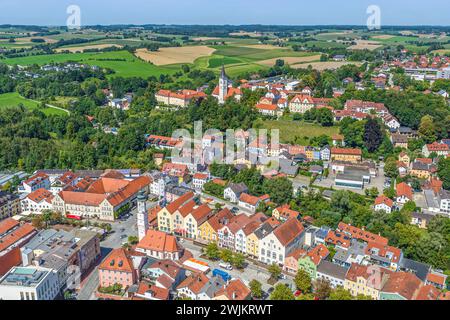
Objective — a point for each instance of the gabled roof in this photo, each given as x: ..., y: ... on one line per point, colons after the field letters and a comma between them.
x: 403, y: 283
x: 235, y: 290
x: 288, y: 231
x: 159, y: 241
x: 117, y: 260
x: 383, y: 199
x: 252, y: 200
x: 403, y: 189
x: 195, y: 282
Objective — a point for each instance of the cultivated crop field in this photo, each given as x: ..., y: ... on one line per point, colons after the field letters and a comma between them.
x: 165, y: 56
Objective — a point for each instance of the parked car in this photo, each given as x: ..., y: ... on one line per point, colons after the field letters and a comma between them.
x: 226, y: 266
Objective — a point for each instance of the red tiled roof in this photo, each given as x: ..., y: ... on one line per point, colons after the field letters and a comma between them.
x: 288, y: 231
x: 194, y: 282
x: 427, y: 292
x: 350, y: 151
x: 10, y: 259
x: 436, y: 278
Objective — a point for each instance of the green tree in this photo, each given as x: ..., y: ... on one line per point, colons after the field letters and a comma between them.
x: 444, y: 172
x: 226, y: 255
x: 322, y: 289
x: 274, y: 270
x: 427, y: 129
x: 302, y: 281
x: 281, y: 292
x: 340, y: 294
x: 238, y: 260
x: 372, y: 135
x: 390, y: 168
x: 212, y: 251
x: 256, y: 288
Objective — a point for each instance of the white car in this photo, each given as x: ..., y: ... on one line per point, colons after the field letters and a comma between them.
x: 226, y: 266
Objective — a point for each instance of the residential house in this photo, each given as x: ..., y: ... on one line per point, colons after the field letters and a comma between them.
x: 346, y: 154
x: 404, y: 193
x: 249, y: 202
x: 117, y: 268
x: 37, y: 201
x: 311, y: 260
x: 207, y: 231
x: 383, y: 203
x: 365, y: 280
x: 233, y: 192
x: 441, y: 149
x: 234, y: 290
x: 400, y: 286
x: 9, y: 204
x: 331, y: 272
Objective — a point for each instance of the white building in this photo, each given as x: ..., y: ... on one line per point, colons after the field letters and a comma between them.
x: 443, y: 74
x: 38, y: 181
x: 276, y: 246
x: 37, y: 201
x: 331, y: 272
x: 199, y: 180
x: 29, y: 283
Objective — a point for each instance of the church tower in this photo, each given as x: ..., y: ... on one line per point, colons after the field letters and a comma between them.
x: 223, y: 86
x: 142, y: 216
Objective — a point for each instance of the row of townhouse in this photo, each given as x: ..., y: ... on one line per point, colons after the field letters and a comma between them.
x: 364, y: 264
x: 358, y: 109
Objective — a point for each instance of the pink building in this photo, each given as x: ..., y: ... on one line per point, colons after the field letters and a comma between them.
x: 117, y: 268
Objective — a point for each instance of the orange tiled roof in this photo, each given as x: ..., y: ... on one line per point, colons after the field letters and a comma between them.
x: 15, y: 236
x: 41, y: 195
x: 383, y: 199
x: 364, y: 235
x: 194, y: 282
x: 8, y: 224
x: 427, y: 292
x: 117, y: 260
x: 404, y: 189
x: 252, y: 200
x: 403, y: 283
x: 436, y: 278
x: 158, y: 241
x: 318, y: 253
x: 235, y: 290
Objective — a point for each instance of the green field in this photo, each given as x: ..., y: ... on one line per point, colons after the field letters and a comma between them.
x: 298, y: 131
x: 9, y: 100
x: 122, y: 62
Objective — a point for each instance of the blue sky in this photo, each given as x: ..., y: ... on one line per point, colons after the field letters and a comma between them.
x: 287, y: 12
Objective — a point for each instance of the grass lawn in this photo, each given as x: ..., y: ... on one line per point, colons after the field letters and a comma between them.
x: 298, y: 131
x: 9, y: 100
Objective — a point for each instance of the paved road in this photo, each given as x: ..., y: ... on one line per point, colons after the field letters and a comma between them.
x: 112, y: 241
x: 251, y: 272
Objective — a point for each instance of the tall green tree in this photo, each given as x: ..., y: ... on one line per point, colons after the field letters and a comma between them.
x: 372, y: 135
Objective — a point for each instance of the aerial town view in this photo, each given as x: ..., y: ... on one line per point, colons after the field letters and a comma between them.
x: 247, y: 154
